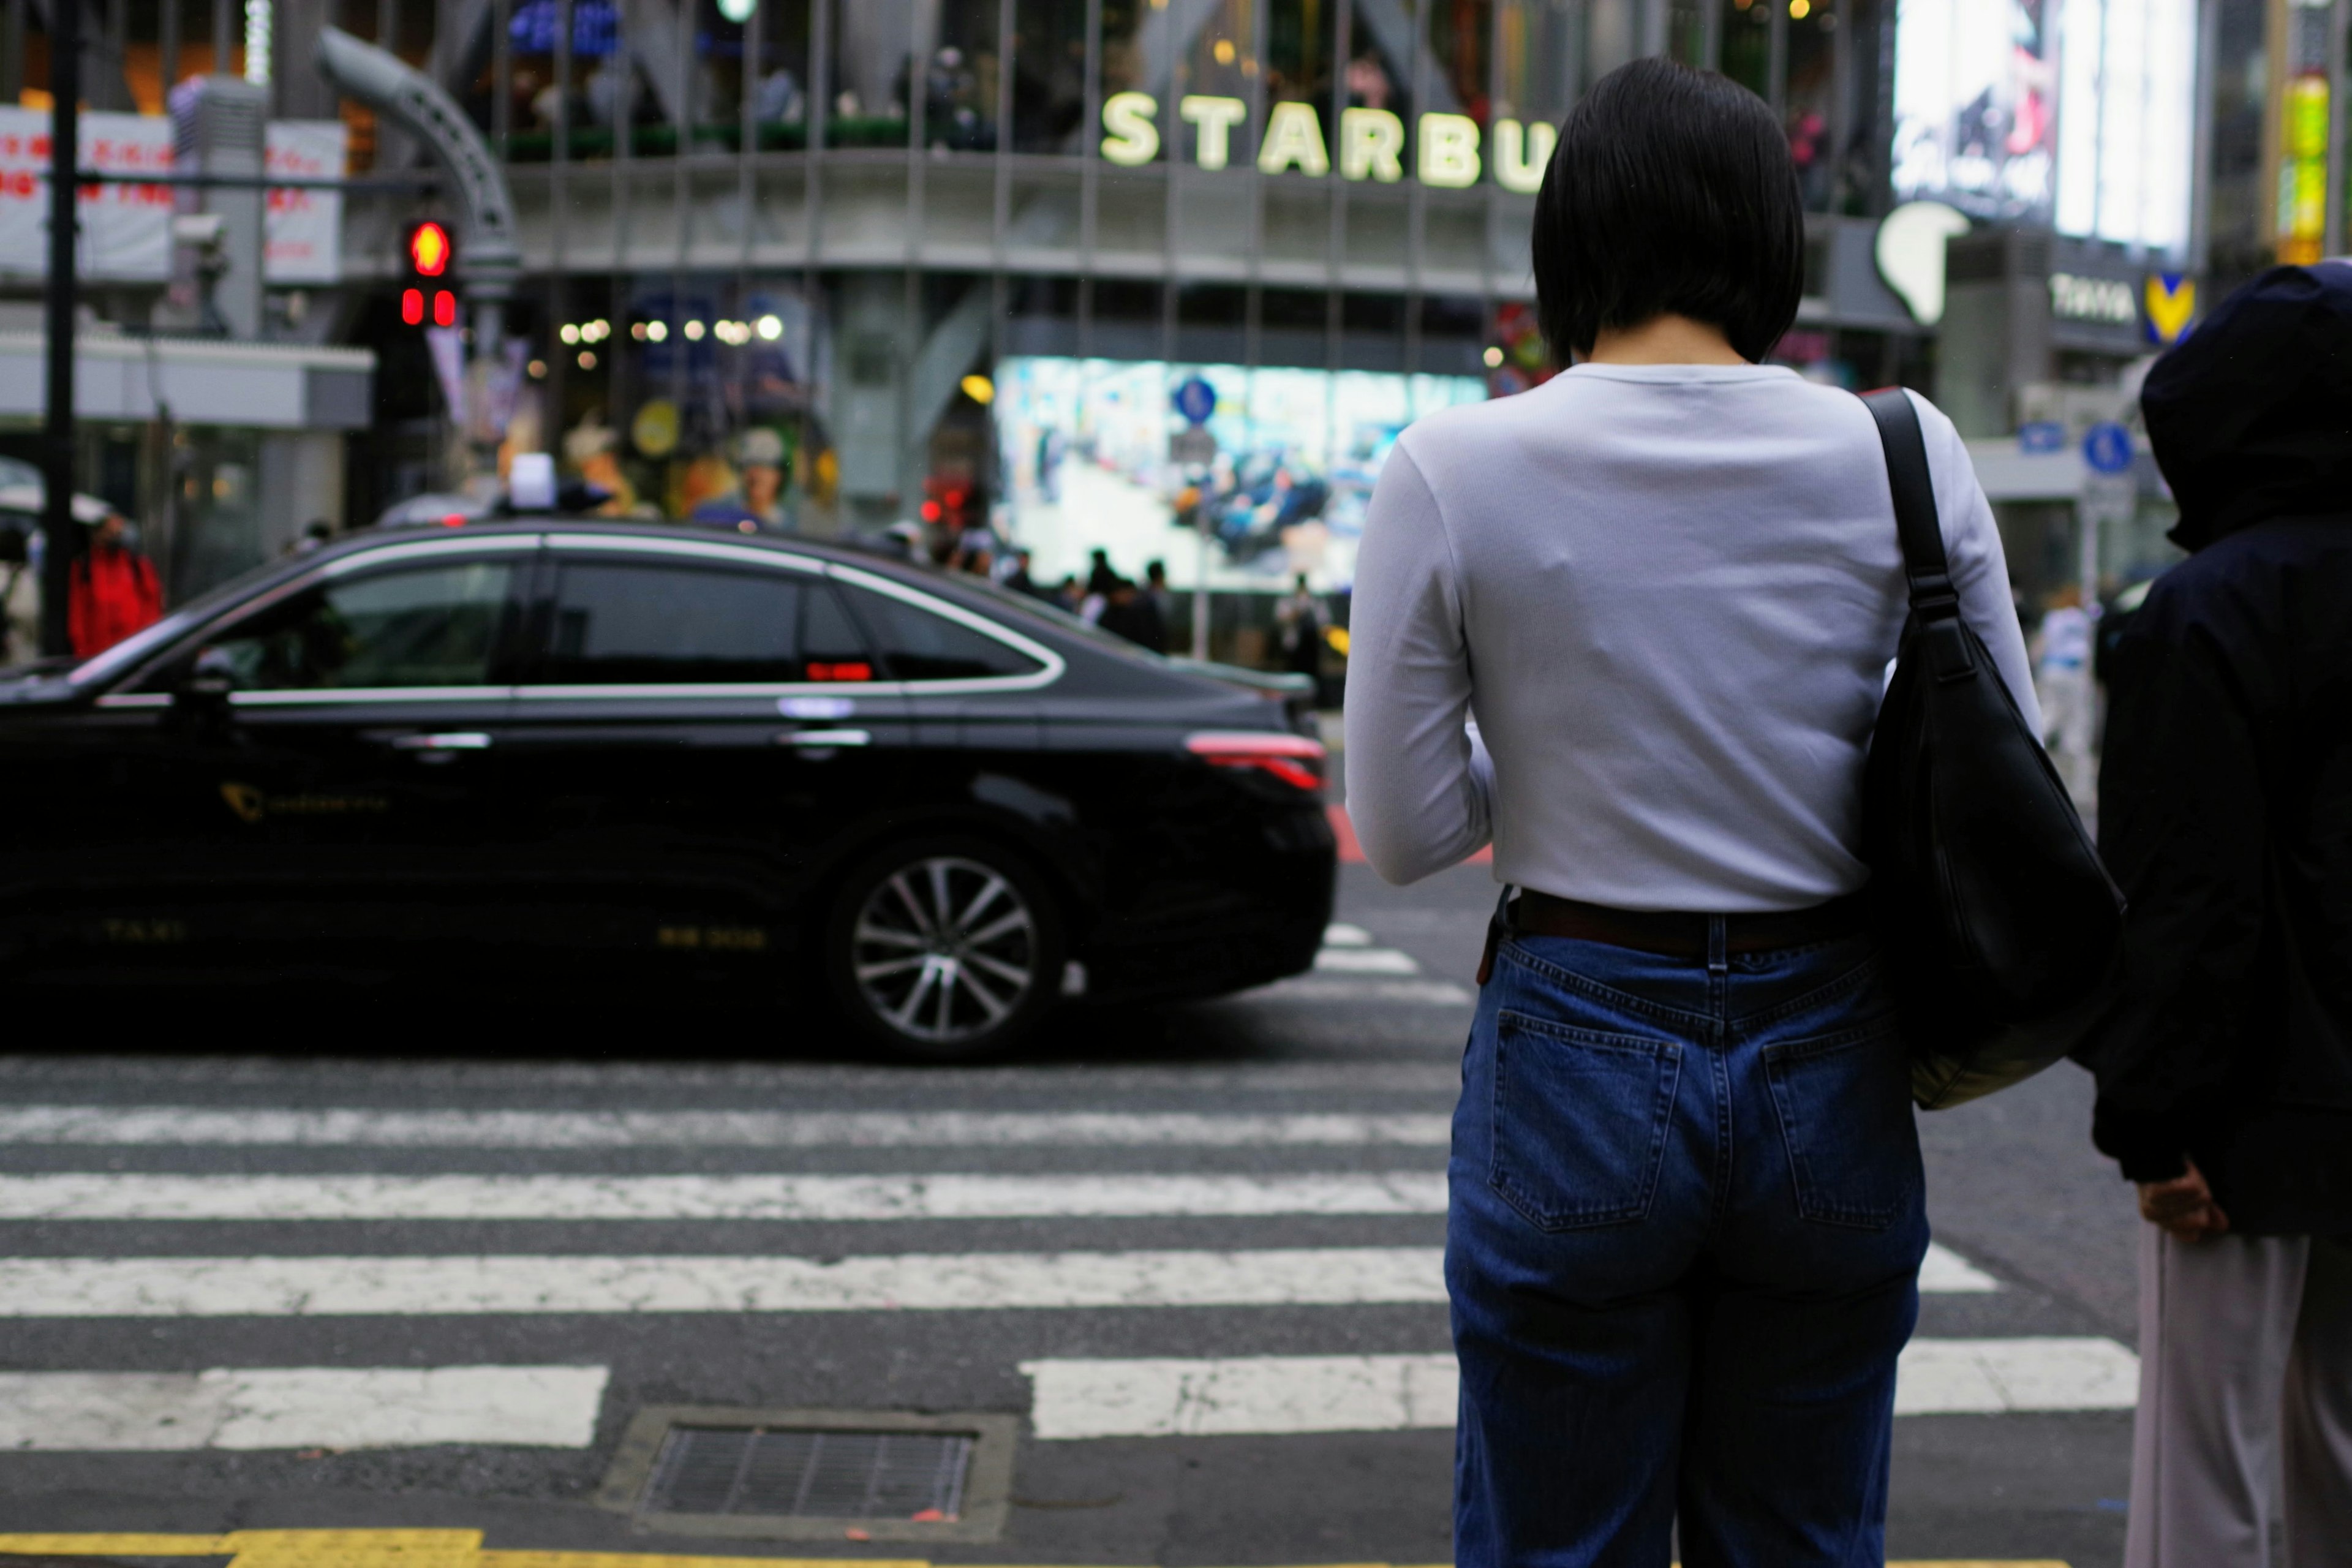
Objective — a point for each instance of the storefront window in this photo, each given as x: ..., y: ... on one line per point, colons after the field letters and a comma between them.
x: 1049, y: 76
x: 1745, y: 44
x: 1810, y: 97
x: 873, y: 45
x: 1536, y: 54
x: 1459, y: 40
x: 1612, y: 35
x: 778, y: 75
x: 1380, y: 58
x: 962, y: 78
x: 550, y: 87
x: 1299, y: 56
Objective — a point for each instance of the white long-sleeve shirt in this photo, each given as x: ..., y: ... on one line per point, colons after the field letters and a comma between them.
x: 1668, y: 594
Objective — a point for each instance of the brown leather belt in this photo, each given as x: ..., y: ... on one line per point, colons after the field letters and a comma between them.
x: 1675, y: 934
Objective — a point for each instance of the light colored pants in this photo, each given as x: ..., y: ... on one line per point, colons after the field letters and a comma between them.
x: 2245, y: 1348
x: 2070, y: 721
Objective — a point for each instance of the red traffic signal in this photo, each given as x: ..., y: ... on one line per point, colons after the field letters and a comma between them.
x: 445, y: 307
x: 429, y: 251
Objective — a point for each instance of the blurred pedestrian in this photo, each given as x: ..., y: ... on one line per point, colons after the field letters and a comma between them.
x: 907, y: 540
x: 1155, y: 588
x: 112, y: 589
x: 1686, y: 1200
x: 1100, y: 576
x: 1299, y: 621
x: 2062, y: 681
x: 757, y: 504
x: 1129, y: 612
x: 2225, y: 1072
x: 1013, y: 572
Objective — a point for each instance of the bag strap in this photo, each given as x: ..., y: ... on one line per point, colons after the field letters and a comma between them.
x: 1925, y: 566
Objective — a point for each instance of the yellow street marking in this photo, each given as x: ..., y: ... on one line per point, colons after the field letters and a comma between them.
x: 115, y: 1545
x: 464, y: 1549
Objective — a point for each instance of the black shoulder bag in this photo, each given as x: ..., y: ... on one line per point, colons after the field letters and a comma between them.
x: 2001, y: 930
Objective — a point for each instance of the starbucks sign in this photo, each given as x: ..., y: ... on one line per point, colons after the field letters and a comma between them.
x: 1447, y: 151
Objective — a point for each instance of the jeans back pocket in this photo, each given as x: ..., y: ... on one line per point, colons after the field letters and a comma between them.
x: 1581, y: 1121
x: 1844, y: 1103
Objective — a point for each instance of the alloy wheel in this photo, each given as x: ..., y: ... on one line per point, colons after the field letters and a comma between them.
x: 944, y: 950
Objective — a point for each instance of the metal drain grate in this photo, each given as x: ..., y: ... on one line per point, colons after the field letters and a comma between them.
x: 788, y: 1473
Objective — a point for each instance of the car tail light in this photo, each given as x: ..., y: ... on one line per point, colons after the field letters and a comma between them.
x: 1293, y: 759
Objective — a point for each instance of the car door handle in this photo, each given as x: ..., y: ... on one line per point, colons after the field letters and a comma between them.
x: 826, y: 738
x: 460, y: 741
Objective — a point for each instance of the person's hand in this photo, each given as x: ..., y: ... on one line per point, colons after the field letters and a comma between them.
x: 2183, y: 1206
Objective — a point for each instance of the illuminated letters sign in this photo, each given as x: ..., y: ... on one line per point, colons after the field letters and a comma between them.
x: 1445, y: 151
x: 2101, y: 300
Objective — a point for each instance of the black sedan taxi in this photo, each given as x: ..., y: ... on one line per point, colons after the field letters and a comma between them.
x: 942, y: 806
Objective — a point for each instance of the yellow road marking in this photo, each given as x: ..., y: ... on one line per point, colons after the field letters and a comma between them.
x: 464, y: 1549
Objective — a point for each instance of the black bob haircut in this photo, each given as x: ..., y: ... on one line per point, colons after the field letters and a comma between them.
x: 1671, y: 190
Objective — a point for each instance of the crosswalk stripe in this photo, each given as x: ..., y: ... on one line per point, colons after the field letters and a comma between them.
x: 1267, y: 1395
x: 1943, y: 1378
x: 423, y: 1286
x: 115, y: 1196
x: 95, y: 1197
x: 1239, y: 1396
x: 201, y: 1126
x: 1365, y: 961
x: 300, y: 1408
x: 1943, y: 1272
x: 1323, y: 987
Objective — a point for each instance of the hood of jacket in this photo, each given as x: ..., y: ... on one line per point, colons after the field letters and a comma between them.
x: 2251, y: 417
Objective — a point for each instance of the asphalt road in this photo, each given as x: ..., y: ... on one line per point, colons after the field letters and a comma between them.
x: 1052, y: 1242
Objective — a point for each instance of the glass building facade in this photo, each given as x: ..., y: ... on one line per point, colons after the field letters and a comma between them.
x: 951, y: 261
x: 958, y: 255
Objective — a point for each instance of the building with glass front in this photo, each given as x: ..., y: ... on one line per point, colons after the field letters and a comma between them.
x: 959, y: 255
x: 953, y: 260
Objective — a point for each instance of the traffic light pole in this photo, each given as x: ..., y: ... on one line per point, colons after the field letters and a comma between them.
x: 488, y: 254
x: 58, y: 545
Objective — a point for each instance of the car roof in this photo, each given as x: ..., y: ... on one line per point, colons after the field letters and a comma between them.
x: 1105, y: 658
x: 846, y: 553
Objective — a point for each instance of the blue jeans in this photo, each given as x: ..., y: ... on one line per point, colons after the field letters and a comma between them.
x: 1682, y: 1246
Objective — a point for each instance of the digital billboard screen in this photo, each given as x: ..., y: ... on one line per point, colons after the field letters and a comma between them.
x: 1975, y: 105
x: 1087, y: 463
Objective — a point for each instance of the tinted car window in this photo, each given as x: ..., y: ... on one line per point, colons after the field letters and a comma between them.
x: 831, y: 645
x: 427, y: 625
x: 629, y: 624
x: 917, y: 644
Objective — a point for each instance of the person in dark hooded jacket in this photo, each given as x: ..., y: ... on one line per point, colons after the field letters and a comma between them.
x: 2225, y: 813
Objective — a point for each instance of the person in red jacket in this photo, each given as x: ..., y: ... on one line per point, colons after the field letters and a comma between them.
x: 115, y: 591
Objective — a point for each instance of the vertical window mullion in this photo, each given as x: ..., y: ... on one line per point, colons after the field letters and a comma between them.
x: 1090, y: 175
x: 559, y: 357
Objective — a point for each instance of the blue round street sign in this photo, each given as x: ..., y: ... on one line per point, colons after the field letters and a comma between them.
x: 1196, y: 400
x: 2108, y: 448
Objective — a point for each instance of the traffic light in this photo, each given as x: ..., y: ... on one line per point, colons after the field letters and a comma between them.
x: 429, y: 249
x: 430, y: 253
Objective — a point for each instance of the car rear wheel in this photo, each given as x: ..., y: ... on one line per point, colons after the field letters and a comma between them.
x: 944, y: 950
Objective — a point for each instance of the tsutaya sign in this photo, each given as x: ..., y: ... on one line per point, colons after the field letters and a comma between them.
x: 1372, y: 142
